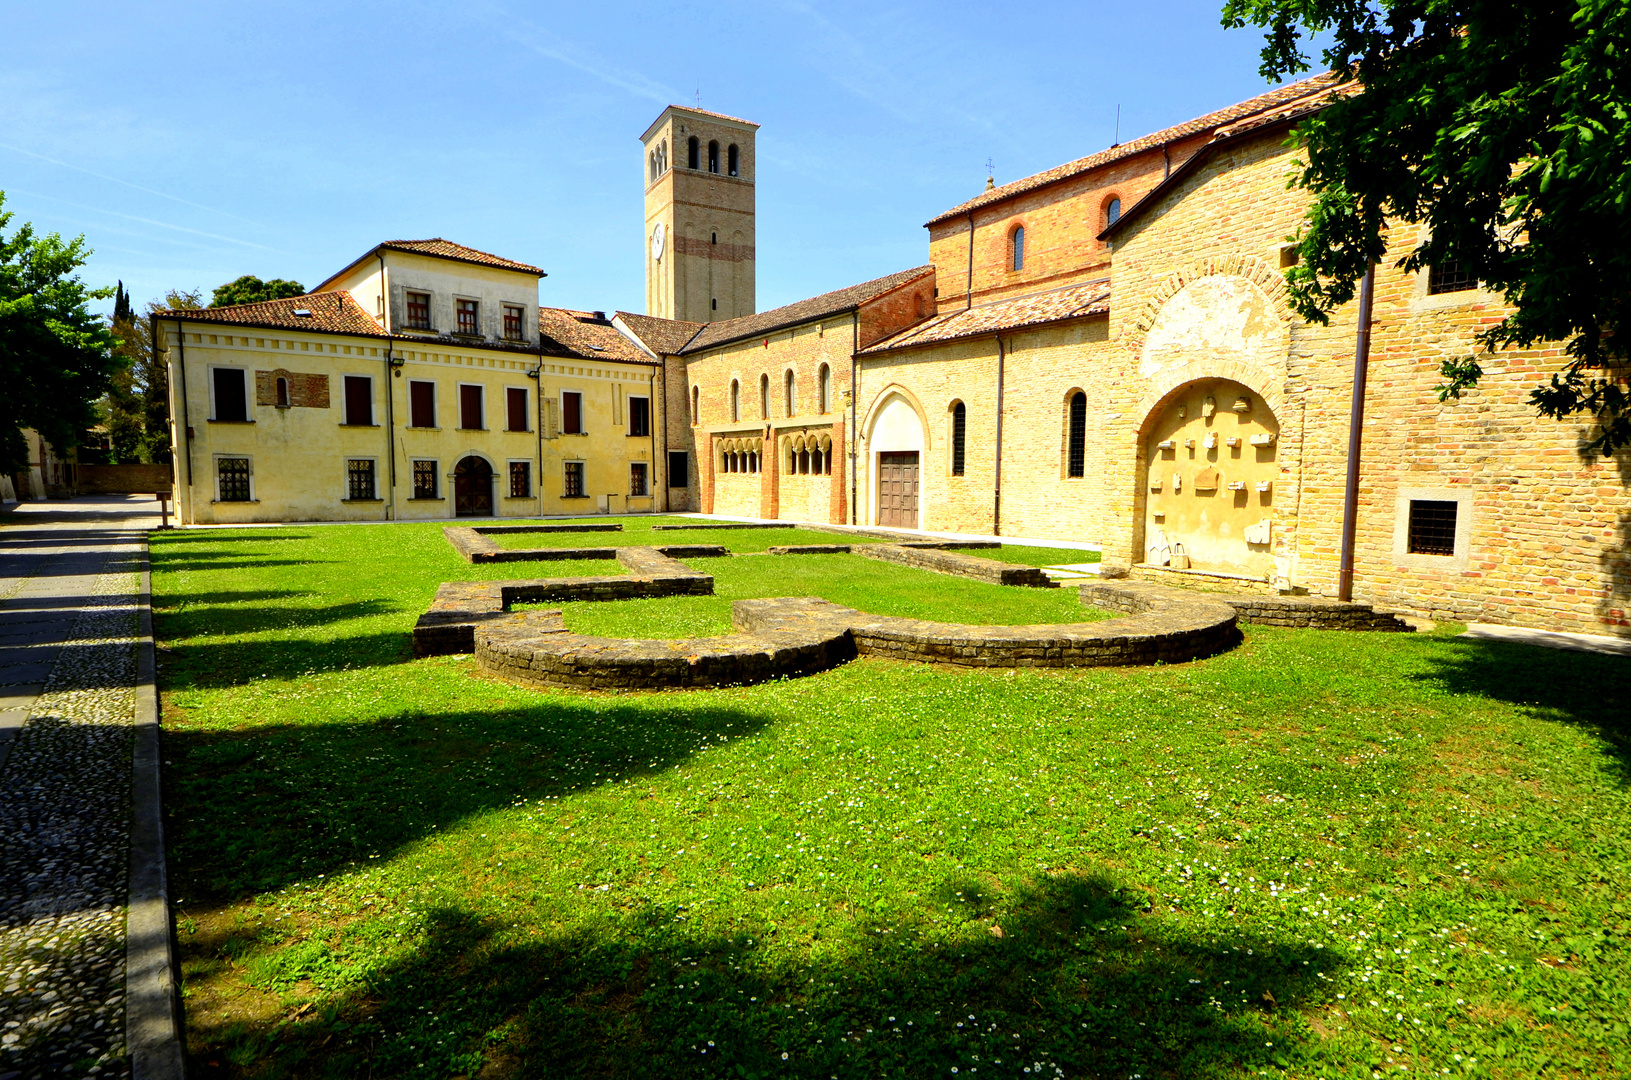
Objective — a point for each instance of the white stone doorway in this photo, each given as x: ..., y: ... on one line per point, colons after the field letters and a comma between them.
x: 896, y: 443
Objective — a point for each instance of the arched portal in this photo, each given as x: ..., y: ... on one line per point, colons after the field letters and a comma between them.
x: 896, y: 444
x: 473, y: 488
x: 1211, y: 465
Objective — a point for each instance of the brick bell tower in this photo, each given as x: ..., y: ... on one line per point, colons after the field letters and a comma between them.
x: 699, y: 242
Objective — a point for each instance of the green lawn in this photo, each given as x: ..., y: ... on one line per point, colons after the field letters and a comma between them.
x: 1321, y: 854
x: 1037, y: 556
x: 638, y: 530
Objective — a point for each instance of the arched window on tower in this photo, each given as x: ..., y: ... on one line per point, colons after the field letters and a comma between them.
x: 733, y: 160
x: 693, y: 156
x: 1112, y: 211
x: 764, y: 397
x: 792, y: 400
x: 1076, y: 439
x: 959, y: 430
x: 736, y: 401
x: 824, y: 389
x: 1016, y: 249
x: 713, y: 156
x: 696, y: 404
x: 653, y: 170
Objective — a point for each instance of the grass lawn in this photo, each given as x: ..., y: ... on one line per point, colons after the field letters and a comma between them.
x: 1321, y: 854
x: 638, y: 530
x: 1038, y: 556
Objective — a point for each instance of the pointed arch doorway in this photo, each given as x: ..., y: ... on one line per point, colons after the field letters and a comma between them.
x: 473, y: 488
x: 897, y: 442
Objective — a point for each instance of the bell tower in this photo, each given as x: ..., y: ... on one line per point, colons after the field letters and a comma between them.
x: 699, y: 242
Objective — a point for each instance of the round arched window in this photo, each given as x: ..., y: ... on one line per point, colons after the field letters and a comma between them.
x: 1017, y: 249
x: 1112, y: 211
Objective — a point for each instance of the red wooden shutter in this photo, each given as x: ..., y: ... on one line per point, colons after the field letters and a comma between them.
x: 422, y: 402
x: 516, y: 398
x: 470, y: 407
x: 572, y: 413
x: 359, y: 400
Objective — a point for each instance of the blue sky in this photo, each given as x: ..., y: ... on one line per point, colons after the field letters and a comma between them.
x: 192, y: 143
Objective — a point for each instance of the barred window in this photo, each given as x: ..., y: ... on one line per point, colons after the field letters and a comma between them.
x: 359, y: 478
x: 520, y: 479
x: 424, y: 479
x: 1449, y: 276
x: 959, y: 429
x: 233, y: 477
x: 1432, y: 527
x: 637, y: 478
x: 573, y: 487
x: 1076, y: 451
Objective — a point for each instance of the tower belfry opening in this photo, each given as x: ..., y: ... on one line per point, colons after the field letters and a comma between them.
x: 699, y: 221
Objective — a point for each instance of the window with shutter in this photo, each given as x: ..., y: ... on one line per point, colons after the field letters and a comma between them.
x: 571, y: 413
x: 359, y: 400
x: 515, y: 400
x: 421, y: 404
x: 470, y: 408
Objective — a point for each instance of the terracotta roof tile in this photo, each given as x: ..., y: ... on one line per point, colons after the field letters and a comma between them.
x: 665, y: 337
x: 816, y: 307
x: 586, y: 335
x: 1071, y: 302
x: 447, y: 249
x: 330, y: 312
x: 1200, y: 125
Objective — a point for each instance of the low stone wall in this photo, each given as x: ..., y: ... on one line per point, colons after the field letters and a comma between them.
x: 726, y: 525
x: 1200, y: 579
x: 493, y: 530
x: 951, y: 562
x: 460, y: 606
x: 808, y: 549
x: 473, y: 545
x: 131, y: 479
x: 1300, y: 612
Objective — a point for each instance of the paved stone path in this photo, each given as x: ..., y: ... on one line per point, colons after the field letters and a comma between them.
x: 69, y: 585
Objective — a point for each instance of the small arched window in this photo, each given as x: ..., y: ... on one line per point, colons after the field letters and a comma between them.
x: 713, y: 156
x: 792, y: 398
x: 1112, y: 212
x: 1076, y: 439
x: 733, y: 160
x: 693, y: 155
x: 764, y: 397
x: 282, y: 392
x: 696, y: 404
x: 959, y: 431
x: 824, y: 389
x: 1016, y: 249
x: 818, y: 462
x: 736, y: 401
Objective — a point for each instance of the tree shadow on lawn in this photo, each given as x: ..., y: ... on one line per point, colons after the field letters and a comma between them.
x: 186, y: 617
x: 230, y: 560
x: 211, y: 536
x: 200, y: 664
x: 1588, y: 690
x: 1084, y: 980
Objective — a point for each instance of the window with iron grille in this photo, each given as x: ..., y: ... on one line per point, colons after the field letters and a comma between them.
x: 424, y: 479
x: 520, y: 479
x: 419, y: 311
x: 468, y: 312
x: 359, y: 400
x: 959, y: 427
x: 512, y: 322
x: 573, y: 487
x: 421, y: 403
x: 1448, y: 277
x: 359, y: 478
x: 639, y: 416
x: 637, y: 478
x: 1076, y: 455
x: 1432, y: 527
x: 515, y: 406
x: 233, y: 478
x: 679, y: 469
x: 470, y: 408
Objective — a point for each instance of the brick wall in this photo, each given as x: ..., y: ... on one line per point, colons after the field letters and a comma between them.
x: 306, y: 391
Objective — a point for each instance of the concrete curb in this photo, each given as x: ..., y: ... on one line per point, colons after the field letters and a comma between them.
x: 152, y: 1020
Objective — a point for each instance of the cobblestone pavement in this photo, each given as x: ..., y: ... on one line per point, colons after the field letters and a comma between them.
x: 68, y: 631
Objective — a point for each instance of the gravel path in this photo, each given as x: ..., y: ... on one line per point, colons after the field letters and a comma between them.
x: 65, y: 792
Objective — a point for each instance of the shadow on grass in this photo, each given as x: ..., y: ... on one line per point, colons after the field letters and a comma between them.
x: 187, y: 617
x: 213, y: 537
x: 1083, y: 981
x: 230, y: 560
x: 199, y: 665
x: 1589, y: 690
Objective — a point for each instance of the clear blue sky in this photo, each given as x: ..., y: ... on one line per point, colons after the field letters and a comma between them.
x: 194, y: 142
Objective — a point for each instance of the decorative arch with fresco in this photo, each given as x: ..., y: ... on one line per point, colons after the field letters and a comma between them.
x: 1260, y: 274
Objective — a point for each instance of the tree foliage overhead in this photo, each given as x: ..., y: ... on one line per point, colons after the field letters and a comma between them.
x: 1504, y: 129
x: 250, y: 289
x: 56, y: 357
x: 139, y: 399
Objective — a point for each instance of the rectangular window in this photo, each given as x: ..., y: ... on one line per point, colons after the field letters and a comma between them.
x: 1448, y: 277
x: 470, y: 408
x: 637, y: 478
x: 515, y: 400
x: 679, y: 469
x: 640, y: 416
x: 231, y: 396
x: 512, y: 322
x: 571, y: 412
x: 573, y: 487
x: 359, y: 478
x: 419, y: 311
x: 520, y: 479
x: 232, y: 474
x: 421, y: 403
x: 359, y: 400
x: 468, y: 312
x: 424, y: 479
x: 1432, y: 527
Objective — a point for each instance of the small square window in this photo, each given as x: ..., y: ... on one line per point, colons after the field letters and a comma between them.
x: 469, y: 312
x: 1448, y: 277
x: 637, y: 478
x: 233, y: 477
x: 520, y: 479
x: 424, y: 480
x: 1432, y: 527
x: 359, y: 478
x: 419, y: 311
x: 573, y: 486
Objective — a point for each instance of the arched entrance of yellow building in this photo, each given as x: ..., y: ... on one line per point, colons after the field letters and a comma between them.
x: 1210, y: 468
x: 473, y: 488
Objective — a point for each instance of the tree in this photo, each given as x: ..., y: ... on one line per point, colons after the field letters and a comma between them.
x: 56, y: 357
x: 250, y: 289
x: 139, y: 400
x: 1504, y: 129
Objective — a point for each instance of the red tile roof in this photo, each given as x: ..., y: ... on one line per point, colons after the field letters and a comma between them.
x: 447, y: 249
x: 665, y: 337
x: 330, y: 312
x: 816, y: 307
x: 586, y: 335
x: 1274, y: 99
x: 1057, y: 305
